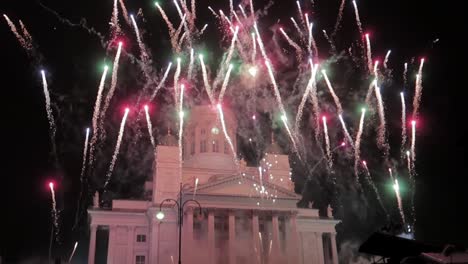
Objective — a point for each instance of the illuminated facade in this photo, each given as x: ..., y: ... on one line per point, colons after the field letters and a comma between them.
x: 249, y: 214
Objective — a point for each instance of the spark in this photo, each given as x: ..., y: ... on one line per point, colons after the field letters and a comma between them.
x: 357, y: 148
x: 13, y: 29
x: 299, y: 9
x: 293, y: 44
x: 418, y: 90
x: 212, y: 11
x: 242, y: 11
x: 369, y: 53
x: 386, y: 58
x: 150, y: 126
x: 225, y: 83
x: 403, y: 122
x: 381, y: 137
x: 111, y: 92
x: 205, y: 79
x: 144, y: 55
x: 405, y: 72
x: 124, y: 11
x: 161, y: 83
x: 310, y: 83
x: 115, y: 27
x: 226, y: 135
x: 327, y: 142
x: 254, y: 47
x: 285, y: 122
x: 339, y: 17
x: 50, y: 116
x: 413, y: 141
x: 54, y: 209
x: 117, y: 148
x: 231, y: 48
x: 181, y: 126
x: 372, y: 184
x: 358, y: 20
x: 253, y: 71
x: 332, y: 91
x: 170, y: 26
x: 297, y: 27
x: 348, y: 136
x: 396, y: 187
x: 176, y: 81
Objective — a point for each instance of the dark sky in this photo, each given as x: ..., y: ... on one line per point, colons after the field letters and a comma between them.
x: 409, y: 26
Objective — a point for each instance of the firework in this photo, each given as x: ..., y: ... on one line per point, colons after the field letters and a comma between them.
x: 205, y: 79
x: 369, y: 53
x: 376, y: 71
x: 405, y: 72
x: 339, y: 17
x: 170, y: 26
x: 111, y: 92
x: 226, y: 135
x: 327, y: 142
x: 242, y: 11
x: 117, y: 148
x: 396, y: 187
x: 381, y: 135
x: 371, y: 183
x: 225, y: 83
x: 115, y: 27
x: 293, y: 44
x: 203, y: 29
x: 301, y: 15
x: 176, y: 81
x: 348, y: 136
x: 291, y: 137
x: 54, y: 209
x: 299, y: 31
x: 275, y: 87
x: 181, y: 126
x: 212, y: 11
x: 150, y: 126
x: 413, y: 142
x: 20, y: 38
x: 124, y: 12
x: 358, y: 20
x: 182, y: 16
x: 50, y: 116
x: 144, y: 55
x: 190, y: 68
x: 254, y: 47
x: 309, y: 86
x: 231, y: 48
x: 161, y: 83
x: 332, y: 91
x: 357, y: 145
x: 390, y: 172
x: 226, y: 18
x: 403, y: 122
x: 26, y: 34
x: 386, y: 58
x: 418, y: 90
x: 329, y: 40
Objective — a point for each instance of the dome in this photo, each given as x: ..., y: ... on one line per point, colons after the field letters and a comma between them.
x: 168, y: 140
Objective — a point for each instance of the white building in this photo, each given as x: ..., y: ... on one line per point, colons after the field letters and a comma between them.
x: 249, y: 215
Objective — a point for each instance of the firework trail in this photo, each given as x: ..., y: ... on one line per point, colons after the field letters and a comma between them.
x: 312, y: 40
x: 291, y: 136
x: 301, y: 15
x: 242, y: 11
x: 226, y: 135
x: 396, y: 187
x: 231, y: 48
x: 117, y: 148
x: 358, y: 20
x: 260, y: 176
x: 176, y: 81
x: 226, y: 18
x: 329, y: 40
x: 369, y: 53
x: 161, y: 83
x: 275, y: 86
x: 195, y: 189
x: 254, y: 47
x: 54, y: 209
x: 418, y: 90
x: 293, y: 44
x: 405, y: 78
x: 181, y: 125
x: 315, y: 109
x: 190, y: 68
x: 83, y: 169
x: 376, y: 70
x: 26, y: 34
x: 413, y: 183
x: 297, y: 28
x: 386, y: 58
x: 225, y: 83
x: 357, y: 145
x: 310, y: 83
x: 339, y: 17
x: 144, y: 55
x: 381, y: 137
x: 231, y: 8
x: 150, y: 126
x: 205, y: 79
x: 403, y: 122
x: 413, y: 142
x: 348, y: 136
x: 212, y: 11
x: 390, y: 172
x: 110, y: 94
x: 238, y: 19
x: 327, y: 142
x: 408, y: 163
x: 124, y: 12
x: 371, y: 183
x: 20, y: 38
x: 193, y: 11
x: 170, y: 26
x: 182, y: 17
x: 50, y: 116
x: 203, y: 29
x: 339, y: 108
x: 115, y: 27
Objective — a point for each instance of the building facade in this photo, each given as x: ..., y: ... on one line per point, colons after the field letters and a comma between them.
x: 248, y: 215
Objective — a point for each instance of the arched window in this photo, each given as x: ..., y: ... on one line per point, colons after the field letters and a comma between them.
x: 203, y: 146
x: 215, y: 146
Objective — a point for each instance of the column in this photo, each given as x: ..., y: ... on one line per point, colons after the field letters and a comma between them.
x: 110, y: 246
x: 334, y: 250
x: 319, y: 244
x: 294, y: 251
x: 256, y: 239
x: 92, y: 244
x: 275, y: 244
x: 211, y: 238
x: 153, y: 240
x: 232, y: 237
x: 130, y: 244
x: 187, y: 234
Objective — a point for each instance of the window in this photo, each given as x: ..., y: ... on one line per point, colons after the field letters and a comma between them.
x: 226, y: 148
x: 192, y: 146
x: 215, y: 147
x: 140, y: 259
x: 203, y: 146
x: 141, y: 238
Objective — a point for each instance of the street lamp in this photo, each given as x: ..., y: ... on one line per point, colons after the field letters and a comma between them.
x: 180, y: 206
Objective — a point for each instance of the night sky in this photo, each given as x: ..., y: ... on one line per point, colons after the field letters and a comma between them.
x: 72, y: 58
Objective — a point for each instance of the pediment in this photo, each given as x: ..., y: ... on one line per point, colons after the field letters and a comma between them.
x: 241, y: 186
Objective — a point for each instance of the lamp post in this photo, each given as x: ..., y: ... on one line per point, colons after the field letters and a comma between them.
x: 180, y: 208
